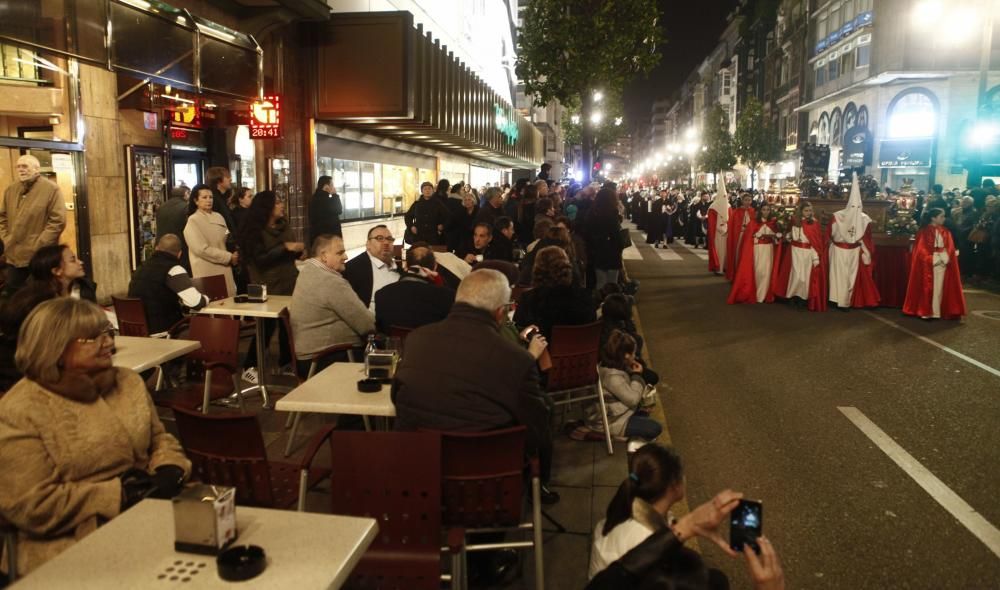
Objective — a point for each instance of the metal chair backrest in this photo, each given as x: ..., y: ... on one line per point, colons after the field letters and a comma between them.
x: 131, y: 316
x: 220, y: 343
x: 574, y: 351
x: 227, y: 449
x: 394, y: 477
x: 483, y: 478
x: 213, y: 287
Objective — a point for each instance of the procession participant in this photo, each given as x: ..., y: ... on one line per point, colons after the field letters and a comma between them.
x: 752, y: 279
x: 718, y: 228
x: 656, y: 220
x: 694, y: 235
x: 851, y: 253
x: 935, y: 287
x: 802, y: 276
x: 739, y: 219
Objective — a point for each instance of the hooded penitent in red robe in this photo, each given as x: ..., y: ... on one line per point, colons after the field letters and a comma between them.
x: 745, y: 288
x: 817, y: 274
x: 734, y: 240
x: 933, y: 246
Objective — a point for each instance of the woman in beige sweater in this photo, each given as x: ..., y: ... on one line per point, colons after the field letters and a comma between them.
x: 80, y: 440
x: 205, y: 235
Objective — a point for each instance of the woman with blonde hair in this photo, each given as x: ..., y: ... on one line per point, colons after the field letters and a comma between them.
x: 80, y: 441
x: 553, y: 300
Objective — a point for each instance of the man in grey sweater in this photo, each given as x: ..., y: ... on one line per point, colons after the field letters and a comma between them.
x: 325, y: 310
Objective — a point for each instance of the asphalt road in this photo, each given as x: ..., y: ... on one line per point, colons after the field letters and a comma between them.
x: 752, y: 396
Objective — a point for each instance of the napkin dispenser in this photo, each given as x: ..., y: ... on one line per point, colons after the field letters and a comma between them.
x: 256, y: 293
x: 381, y: 364
x: 204, y: 519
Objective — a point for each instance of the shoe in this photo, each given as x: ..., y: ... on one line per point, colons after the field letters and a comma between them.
x: 548, y: 496
x: 250, y: 375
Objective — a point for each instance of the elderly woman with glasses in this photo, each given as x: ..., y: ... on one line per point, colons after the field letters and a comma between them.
x: 80, y: 440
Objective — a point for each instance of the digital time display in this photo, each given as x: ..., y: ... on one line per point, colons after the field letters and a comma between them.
x: 265, y: 118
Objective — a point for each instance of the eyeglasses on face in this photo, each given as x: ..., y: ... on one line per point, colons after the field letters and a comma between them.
x: 109, y: 331
x: 381, y: 239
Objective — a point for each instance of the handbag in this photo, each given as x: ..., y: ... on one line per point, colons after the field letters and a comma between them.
x: 978, y: 235
x: 624, y: 238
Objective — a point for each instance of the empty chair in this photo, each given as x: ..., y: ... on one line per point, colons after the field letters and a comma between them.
x: 482, y: 490
x: 214, y: 286
x: 131, y: 316
x: 574, y: 351
x: 394, y: 477
x: 228, y: 449
x: 217, y: 361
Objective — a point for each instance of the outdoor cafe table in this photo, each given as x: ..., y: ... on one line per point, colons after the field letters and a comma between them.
x: 304, y: 550
x: 270, y: 309
x: 144, y: 353
x: 334, y: 390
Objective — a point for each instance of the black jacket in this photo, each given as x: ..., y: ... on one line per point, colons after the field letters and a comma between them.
x: 601, y: 234
x: 410, y: 303
x: 426, y: 215
x: 555, y: 306
x: 488, y: 214
x: 501, y: 248
x: 358, y: 273
x: 149, y: 283
x: 221, y: 206
x: 460, y: 225
x: 325, y: 210
x: 461, y: 374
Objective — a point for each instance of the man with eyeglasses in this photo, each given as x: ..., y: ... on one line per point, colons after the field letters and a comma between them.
x: 374, y: 268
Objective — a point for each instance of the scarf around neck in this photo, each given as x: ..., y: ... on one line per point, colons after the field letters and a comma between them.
x: 81, y: 387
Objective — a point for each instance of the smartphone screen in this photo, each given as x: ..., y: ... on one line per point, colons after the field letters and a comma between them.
x: 745, y: 525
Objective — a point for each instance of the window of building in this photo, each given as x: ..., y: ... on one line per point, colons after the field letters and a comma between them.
x: 913, y: 113
x: 836, y: 131
x: 784, y: 69
x: 824, y: 129
x: 833, y: 69
x: 821, y: 27
x: 834, y: 21
x: 863, y: 6
x: 820, y: 73
x: 727, y: 83
x: 863, y: 56
x: 846, y: 60
x: 791, y: 131
x: 847, y: 9
x: 18, y: 64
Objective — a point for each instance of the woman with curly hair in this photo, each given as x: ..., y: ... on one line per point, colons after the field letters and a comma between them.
x: 553, y: 300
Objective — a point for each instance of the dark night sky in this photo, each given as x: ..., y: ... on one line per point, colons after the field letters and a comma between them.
x: 692, y: 28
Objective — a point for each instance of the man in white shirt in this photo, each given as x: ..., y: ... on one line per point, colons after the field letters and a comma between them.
x: 374, y: 268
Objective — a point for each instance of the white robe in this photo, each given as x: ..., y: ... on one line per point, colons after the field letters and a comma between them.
x: 940, y: 261
x: 721, y: 234
x: 763, y: 263
x: 803, y: 261
x: 843, y: 268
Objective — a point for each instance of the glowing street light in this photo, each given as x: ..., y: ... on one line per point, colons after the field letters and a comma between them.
x: 690, y: 133
x: 618, y: 121
x: 598, y: 96
x: 575, y: 119
x: 607, y: 167
x: 596, y: 118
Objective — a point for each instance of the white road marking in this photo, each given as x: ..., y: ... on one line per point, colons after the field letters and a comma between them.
x: 942, y: 494
x: 667, y: 254
x: 703, y: 254
x: 632, y: 252
x: 951, y: 351
x: 980, y: 292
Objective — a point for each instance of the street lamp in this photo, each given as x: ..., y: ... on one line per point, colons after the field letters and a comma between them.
x: 575, y: 119
x: 596, y: 117
x: 598, y: 96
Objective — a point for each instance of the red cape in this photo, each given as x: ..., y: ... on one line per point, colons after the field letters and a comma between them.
x: 865, y: 292
x: 818, y: 277
x: 920, y: 289
x: 744, y: 289
x: 735, y: 224
x: 714, y: 264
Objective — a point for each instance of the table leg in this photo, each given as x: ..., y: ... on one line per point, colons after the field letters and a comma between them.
x: 262, y: 363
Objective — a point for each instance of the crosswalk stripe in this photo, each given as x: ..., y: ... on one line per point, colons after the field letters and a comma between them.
x: 667, y: 254
x: 703, y: 254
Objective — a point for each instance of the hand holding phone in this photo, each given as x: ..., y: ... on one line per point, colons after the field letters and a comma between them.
x: 746, y: 524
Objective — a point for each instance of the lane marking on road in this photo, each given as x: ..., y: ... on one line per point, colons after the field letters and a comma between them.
x: 632, y: 253
x: 988, y: 314
x: 668, y: 254
x: 980, y: 292
x: 951, y: 351
x: 703, y: 254
x: 942, y: 494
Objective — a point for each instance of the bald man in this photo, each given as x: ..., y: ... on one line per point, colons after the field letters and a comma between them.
x: 32, y: 215
x: 165, y: 286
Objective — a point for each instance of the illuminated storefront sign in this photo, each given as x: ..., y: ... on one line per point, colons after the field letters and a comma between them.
x: 505, y: 125
x: 265, y: 118
x: 905, y: 153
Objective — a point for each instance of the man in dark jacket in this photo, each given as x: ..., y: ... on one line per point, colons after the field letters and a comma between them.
x: 374, y: 268
x: 416, y: 299
x: 325, y: 210
x: 502, y: 246
x: 461, y: 374
x: 427, y: 218
x: 492, y: 209
x: 172, y: 216
x: 164, y: 286
x: 221, y: 182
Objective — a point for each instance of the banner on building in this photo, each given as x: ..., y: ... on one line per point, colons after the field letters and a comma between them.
x: 815, y: 160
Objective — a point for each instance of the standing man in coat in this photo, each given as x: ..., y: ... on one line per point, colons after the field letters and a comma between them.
x: 427, y: 218
x: 172, y: 216
x: 32, y: 215
x: 220, y: 180
x: 325, y: 210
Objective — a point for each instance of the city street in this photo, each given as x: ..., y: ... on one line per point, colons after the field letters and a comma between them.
x: 807, y: 411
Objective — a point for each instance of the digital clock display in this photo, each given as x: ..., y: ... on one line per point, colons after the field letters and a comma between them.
x: 265, y: 118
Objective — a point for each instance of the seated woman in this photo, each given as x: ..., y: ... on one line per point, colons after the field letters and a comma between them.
x: 616, y: 314
x: 553, y: 300
x: 54, y: 271
x: 625, y: 392
x: 641, y: 506
x: 80, y: 441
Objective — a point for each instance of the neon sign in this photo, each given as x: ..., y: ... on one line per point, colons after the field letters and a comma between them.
x: 265, y: 118
x: 504, y: 124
